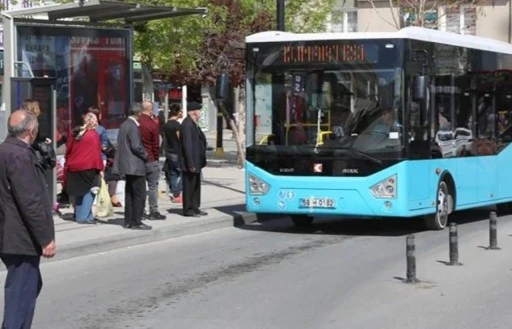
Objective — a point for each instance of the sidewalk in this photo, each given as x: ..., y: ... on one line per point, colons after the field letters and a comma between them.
x: 228, y: 145
x: 222, y: 197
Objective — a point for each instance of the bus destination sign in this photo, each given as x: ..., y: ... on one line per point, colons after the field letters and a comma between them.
x: 333, y: 53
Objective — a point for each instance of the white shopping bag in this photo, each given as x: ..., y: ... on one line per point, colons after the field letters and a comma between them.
x: 120, y: 191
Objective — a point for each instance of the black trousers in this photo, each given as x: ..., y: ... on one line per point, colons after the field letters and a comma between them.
x: 191, y: 192
x: 134, y: 199
x: 22, y: 286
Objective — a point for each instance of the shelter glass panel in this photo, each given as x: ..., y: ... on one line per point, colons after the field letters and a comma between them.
x: 91, y: 67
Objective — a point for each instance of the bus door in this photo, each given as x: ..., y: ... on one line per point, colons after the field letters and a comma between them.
x: 452, y: 132
x: 484, y: 145
x: 467, y: 174
x: 504, y: 133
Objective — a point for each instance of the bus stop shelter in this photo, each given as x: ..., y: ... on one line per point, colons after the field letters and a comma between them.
x: 83, y: 13
x: 53, y: 53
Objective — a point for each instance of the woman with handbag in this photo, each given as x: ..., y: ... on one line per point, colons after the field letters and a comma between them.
x: 83, y: 168
x: 43, y: 144
x: 105, y: 142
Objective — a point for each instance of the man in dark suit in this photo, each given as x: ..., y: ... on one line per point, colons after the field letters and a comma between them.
x: 129, y: 164
x: 26, y: 221
x: 193, y: 150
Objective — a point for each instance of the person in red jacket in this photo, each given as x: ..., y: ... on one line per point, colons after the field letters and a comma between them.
x: 83, y: 168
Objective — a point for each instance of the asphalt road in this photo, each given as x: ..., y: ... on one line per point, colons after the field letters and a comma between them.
x: 339, y: 275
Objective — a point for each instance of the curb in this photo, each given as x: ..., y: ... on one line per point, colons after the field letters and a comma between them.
x: 100, y: 245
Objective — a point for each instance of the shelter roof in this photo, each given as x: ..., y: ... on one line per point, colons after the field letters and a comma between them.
x: 100, y: 11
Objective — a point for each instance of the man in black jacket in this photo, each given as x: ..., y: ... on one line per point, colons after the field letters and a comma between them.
x: 26, y: 221
x: 193, y: 159
x: 129, y: 164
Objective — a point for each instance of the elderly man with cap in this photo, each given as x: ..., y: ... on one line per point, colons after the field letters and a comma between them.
x: 193, y: 150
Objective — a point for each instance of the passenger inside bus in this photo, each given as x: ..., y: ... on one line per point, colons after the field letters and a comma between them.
x: 382, y: 125
x: 444, y: 123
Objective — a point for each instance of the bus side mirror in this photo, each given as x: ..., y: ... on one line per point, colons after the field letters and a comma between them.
x: 222, y: 87
x: 419, y: 87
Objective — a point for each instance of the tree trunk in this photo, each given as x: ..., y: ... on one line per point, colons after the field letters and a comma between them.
x: 241, y: 126
x: 238, y: 132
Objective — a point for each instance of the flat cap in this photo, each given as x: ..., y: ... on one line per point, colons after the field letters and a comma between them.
x: 193, y: 106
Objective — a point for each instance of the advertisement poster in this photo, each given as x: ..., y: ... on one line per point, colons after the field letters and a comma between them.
x: 98, y: 74
x: 263, y: 104
x: 203, y: 119
x: 39, y: 53
x: 90, y: 67
x: 64, y: 113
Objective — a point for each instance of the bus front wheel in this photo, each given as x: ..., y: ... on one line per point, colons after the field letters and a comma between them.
x: 439, y: 219
x: 302, y: 220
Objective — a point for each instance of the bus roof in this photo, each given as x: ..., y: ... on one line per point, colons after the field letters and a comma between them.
x: 414, y: 33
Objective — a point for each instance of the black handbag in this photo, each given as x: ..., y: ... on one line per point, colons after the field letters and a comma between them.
x: 45, y: 154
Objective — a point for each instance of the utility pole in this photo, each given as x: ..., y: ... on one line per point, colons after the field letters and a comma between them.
x: 222, y: 91
x: 280, y: 15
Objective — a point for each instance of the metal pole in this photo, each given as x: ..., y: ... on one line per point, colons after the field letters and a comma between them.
x: 184, y: 100
x: 454, y: 246
x: 219, y: 150
x: 493, y: 231
x: 280, y: 15
x: 411, y: 259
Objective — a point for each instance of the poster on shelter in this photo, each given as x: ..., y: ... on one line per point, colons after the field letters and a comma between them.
x: 90, y: 67
x: 64, y: 110
x: 37, y: 55
x: 99, y: 76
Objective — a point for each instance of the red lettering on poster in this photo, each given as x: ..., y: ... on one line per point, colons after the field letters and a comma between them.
x: 175, y: 94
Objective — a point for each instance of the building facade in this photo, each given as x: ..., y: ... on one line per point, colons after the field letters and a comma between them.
x: 490, y: 19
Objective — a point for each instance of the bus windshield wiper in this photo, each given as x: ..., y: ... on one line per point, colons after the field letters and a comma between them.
x: 363, y: 154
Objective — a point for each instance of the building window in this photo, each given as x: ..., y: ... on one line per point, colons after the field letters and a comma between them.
x: 460, y: 20
x: 410, y: 18
x: 346, y: 21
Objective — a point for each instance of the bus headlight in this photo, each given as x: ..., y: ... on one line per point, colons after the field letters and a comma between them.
x: 385, y: 189
x: 257, y: 186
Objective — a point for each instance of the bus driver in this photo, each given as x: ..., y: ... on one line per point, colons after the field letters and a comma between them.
x: 383, y: 124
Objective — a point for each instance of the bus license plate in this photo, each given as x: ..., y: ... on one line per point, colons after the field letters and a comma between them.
x: 317, y: 203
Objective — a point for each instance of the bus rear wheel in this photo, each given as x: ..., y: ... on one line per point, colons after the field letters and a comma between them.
x: 504, y: 208
x: 302, y: 220
x: 439, y: 219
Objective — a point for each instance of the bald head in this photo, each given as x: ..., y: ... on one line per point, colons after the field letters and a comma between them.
x: 147, y: 107
x: 23, y: 125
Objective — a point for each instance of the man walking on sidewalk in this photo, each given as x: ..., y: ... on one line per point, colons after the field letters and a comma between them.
x: 171, y: 131
x: 150, y: 132
x: 26, y: 221
x: 129, y: 164
x: 193, y: 149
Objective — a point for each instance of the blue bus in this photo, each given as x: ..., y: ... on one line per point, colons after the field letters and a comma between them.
x: 413, y: 123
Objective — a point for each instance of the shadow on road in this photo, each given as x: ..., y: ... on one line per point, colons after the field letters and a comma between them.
x: 222, y: 185
x: 343, y: 225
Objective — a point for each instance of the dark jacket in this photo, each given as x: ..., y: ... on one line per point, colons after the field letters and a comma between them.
x: 130, y: 154
x: 193, y: 146
x: 26, y: 221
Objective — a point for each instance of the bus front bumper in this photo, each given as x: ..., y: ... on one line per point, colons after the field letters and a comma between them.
x: 319, y: 195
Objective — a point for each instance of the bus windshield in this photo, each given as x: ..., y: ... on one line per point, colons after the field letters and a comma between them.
x: 345, y: 98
